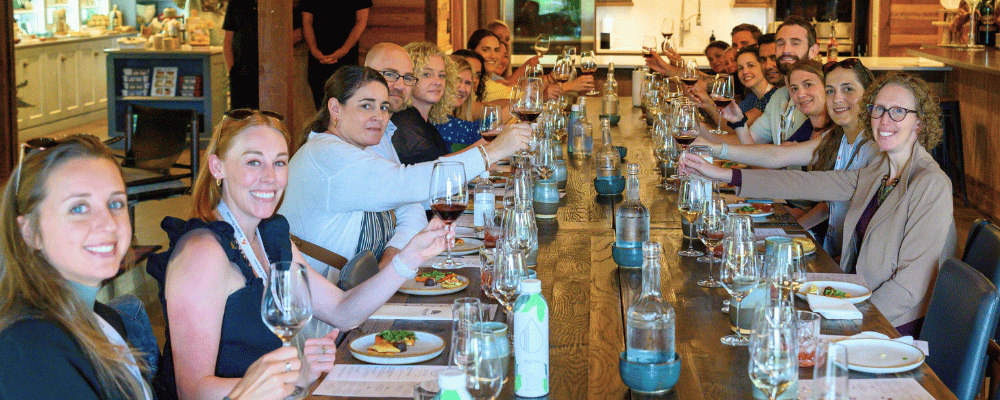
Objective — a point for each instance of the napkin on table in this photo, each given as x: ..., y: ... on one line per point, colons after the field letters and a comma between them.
x: 833, y: 308
x: 920, y: 344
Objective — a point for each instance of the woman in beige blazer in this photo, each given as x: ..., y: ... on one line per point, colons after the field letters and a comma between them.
x: 900, y: 225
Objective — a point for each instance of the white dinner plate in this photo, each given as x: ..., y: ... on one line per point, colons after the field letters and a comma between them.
x: 413, y: 287
x: 426, y: 347
x: 881, y: 356
x: 761, y: 245
x: 759, y: 214
x: 470, y: 246
x: 858, y: 293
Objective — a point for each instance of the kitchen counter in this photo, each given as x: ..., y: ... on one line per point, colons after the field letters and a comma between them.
x: 987, y: 61
x: 32, y: 43
x: 873, y: 63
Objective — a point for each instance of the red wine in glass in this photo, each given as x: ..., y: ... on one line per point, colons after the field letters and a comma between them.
x: 561, y: 78
x: 528, y: 116
x: 490, y: 135
x: 685, y: 139
x: 448, y: 212
x: 587, y: 71
x: 721, y: 102
x: 647, y: 52
x: 689, y: 81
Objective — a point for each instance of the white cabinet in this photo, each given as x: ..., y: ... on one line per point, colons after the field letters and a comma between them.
x: 30, y: 72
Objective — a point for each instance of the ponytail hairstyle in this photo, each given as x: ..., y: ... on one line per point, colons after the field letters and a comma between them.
x: 206, y: 193
x: 33, y: 288
x: 341, y: 86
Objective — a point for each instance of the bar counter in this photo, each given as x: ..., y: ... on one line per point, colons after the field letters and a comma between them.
x: 588, y: 294
x: 974, y: 81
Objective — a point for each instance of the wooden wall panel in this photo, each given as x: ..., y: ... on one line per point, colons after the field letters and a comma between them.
x: 978, y: 97
x: 273, y: 18
x: 396, y: 21
x: 907, y: 24
x: 8, y: 107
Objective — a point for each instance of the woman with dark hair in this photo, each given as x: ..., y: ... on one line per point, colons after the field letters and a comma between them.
x: 899, y: 224
x: 345, y: 195
x: 211, y: 278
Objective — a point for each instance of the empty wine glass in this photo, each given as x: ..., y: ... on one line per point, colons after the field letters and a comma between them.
x: 689, y: 204
x: 508, y: 272
x: 648, y: 46
x: 545, y: 158
x: 788, y: 271
x: 711, y: 232
x: 486, y: 372
x: 740, y: 276
x: 286, y: 307
x: 461, y: 349
x: 830, y: 374
x: 774, y: 365
x: 588, y: 66
x: 448, y: 198
x: 465, y: 311
x: 489, y: 126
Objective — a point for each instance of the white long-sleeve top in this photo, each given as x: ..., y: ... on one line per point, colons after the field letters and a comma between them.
x: 331, y: 184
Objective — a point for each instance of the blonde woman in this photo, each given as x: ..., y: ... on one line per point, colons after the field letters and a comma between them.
x: 461, y: 128
x: 431, y: 101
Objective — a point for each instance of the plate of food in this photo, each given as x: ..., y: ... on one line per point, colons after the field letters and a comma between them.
x: 397, y: 347
x: 881, y: 356
x: 728, y: 164
x: 465, y: 246
x: 752, y: 209
x: 808, y: 246
x: 497, y: 181
x: 841, y: 290
x: 433, y: 283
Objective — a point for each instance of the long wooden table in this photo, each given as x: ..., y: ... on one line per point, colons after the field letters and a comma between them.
x: 588, y: 294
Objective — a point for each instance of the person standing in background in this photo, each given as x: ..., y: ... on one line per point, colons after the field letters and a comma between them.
x: 332, y: 30
x: 239, y: 47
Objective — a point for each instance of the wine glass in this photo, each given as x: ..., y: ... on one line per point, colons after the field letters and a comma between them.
x: 520, y: 230
x: 465, y: 312
x: 788, y: 272
x: 711, y: 232
x: 648, y: 46
x: 689, y: 204
x: 461, y: 349
x: 448, y: 198
x: 545, y: 158
x: 542, y: 43
x: 667, y: 30
x: 486, y: 372
x: 588, y: 66
x: 286, y: 307
x: 508, y: 272
x: 722, y: 95
x: 562, y: 71
x: 774, y: 365
x: 830, y: 375
x: 689, y: 75
x: 740, y: 275
x: 686, y: 125
x: 489, y: 126
x: 526, y: 102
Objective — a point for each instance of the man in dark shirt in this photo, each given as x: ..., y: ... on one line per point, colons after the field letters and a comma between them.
x: 332, y: 30
x: 240, y: 50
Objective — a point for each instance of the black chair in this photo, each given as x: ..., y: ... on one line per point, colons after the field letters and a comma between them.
x: 960, y: 321
x: 154, y: 139
x: 949, y: 154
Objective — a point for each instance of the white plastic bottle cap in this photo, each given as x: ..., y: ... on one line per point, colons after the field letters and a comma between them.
x: 531, y: 286
x: 451, y: 379
x: 575, y: 107
x: 485, y: 175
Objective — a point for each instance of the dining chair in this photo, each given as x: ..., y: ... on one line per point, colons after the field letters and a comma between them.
x: 982, y: 249
x: 960, y: 321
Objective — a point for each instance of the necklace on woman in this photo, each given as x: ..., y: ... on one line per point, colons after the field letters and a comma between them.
x: 241, y: 238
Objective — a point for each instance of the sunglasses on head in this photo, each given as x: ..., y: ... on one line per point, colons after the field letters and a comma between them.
x: 40, y: 144
x: 240, y: 114
x: 847, y: 64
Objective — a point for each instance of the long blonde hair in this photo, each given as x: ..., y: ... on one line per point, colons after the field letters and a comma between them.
x: 33, y: 288
x: 206, y: 194
x: 463, y: 111
x: 420, y: 53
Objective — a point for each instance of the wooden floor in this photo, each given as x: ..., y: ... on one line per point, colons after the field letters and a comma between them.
x: 150, y: 213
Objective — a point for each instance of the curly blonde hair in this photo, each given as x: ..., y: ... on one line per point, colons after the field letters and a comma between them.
x: 420, y: 53
x: 928, y: 109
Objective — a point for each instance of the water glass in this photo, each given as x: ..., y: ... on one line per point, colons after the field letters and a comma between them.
x: 808, y: 326
x: 830, y: 375
x: 740, y: 276
x: 773, y: 367
x: 486, y: 372
x: 465, y: 312
x: 788, y: 270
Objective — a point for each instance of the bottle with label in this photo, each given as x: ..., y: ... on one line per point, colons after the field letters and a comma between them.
x: 484, y: 199
x: 608, y: 160
x: 582, y: 137
x: 572, y: 121
x: 831, y: 46
x: 650, y: 321
x: 986, y: 25
x: 609, y: 100
x: 631, y: 217
x: 453, y: 385
x: 712, y: 37
x: 531, y: 341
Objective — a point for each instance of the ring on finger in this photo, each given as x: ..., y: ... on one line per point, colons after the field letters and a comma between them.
x: 322, y: 350
x: 288, y: 366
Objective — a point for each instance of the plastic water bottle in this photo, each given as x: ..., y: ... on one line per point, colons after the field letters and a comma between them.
x: 650, y: 321
x: 574, y: 120
x: 453, y: 385
x: 484, y: 199
x: 531, y: 341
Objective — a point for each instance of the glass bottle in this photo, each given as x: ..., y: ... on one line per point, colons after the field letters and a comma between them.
x: 831, y: 46
x: 531, y: 341
x: 631, y: 217
x: 484, y: 199
x: 609, y: 100
x: 650, y: 321
x: 608, y: 159
x: 582, y: 142
x: 571, y: 128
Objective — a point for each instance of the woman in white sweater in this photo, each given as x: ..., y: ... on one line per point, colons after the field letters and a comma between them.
x: 347, y: 193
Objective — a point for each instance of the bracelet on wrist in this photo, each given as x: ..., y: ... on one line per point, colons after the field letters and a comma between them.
x: 738, y: 124
x: 402, y: 269
x: 486, y: 157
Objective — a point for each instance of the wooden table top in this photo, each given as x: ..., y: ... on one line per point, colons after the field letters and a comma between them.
x: 588, y: 295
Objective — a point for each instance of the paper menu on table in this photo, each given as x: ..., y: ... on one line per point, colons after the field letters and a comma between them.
x: 414, y: 311
x: 876, y: 389
x: 849, y: 278
x: 469, y: 261
x: 356, y: 380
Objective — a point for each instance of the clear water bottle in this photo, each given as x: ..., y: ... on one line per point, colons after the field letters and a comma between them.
x: 631, y: 217
x: 608, y: 160
x: 484, y: 199
x: 650, y: 321
x: 582, y: 141
x: 573, y: 121
x: 609, y: 100
x: 531, y: 341
x: 453, y: 385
